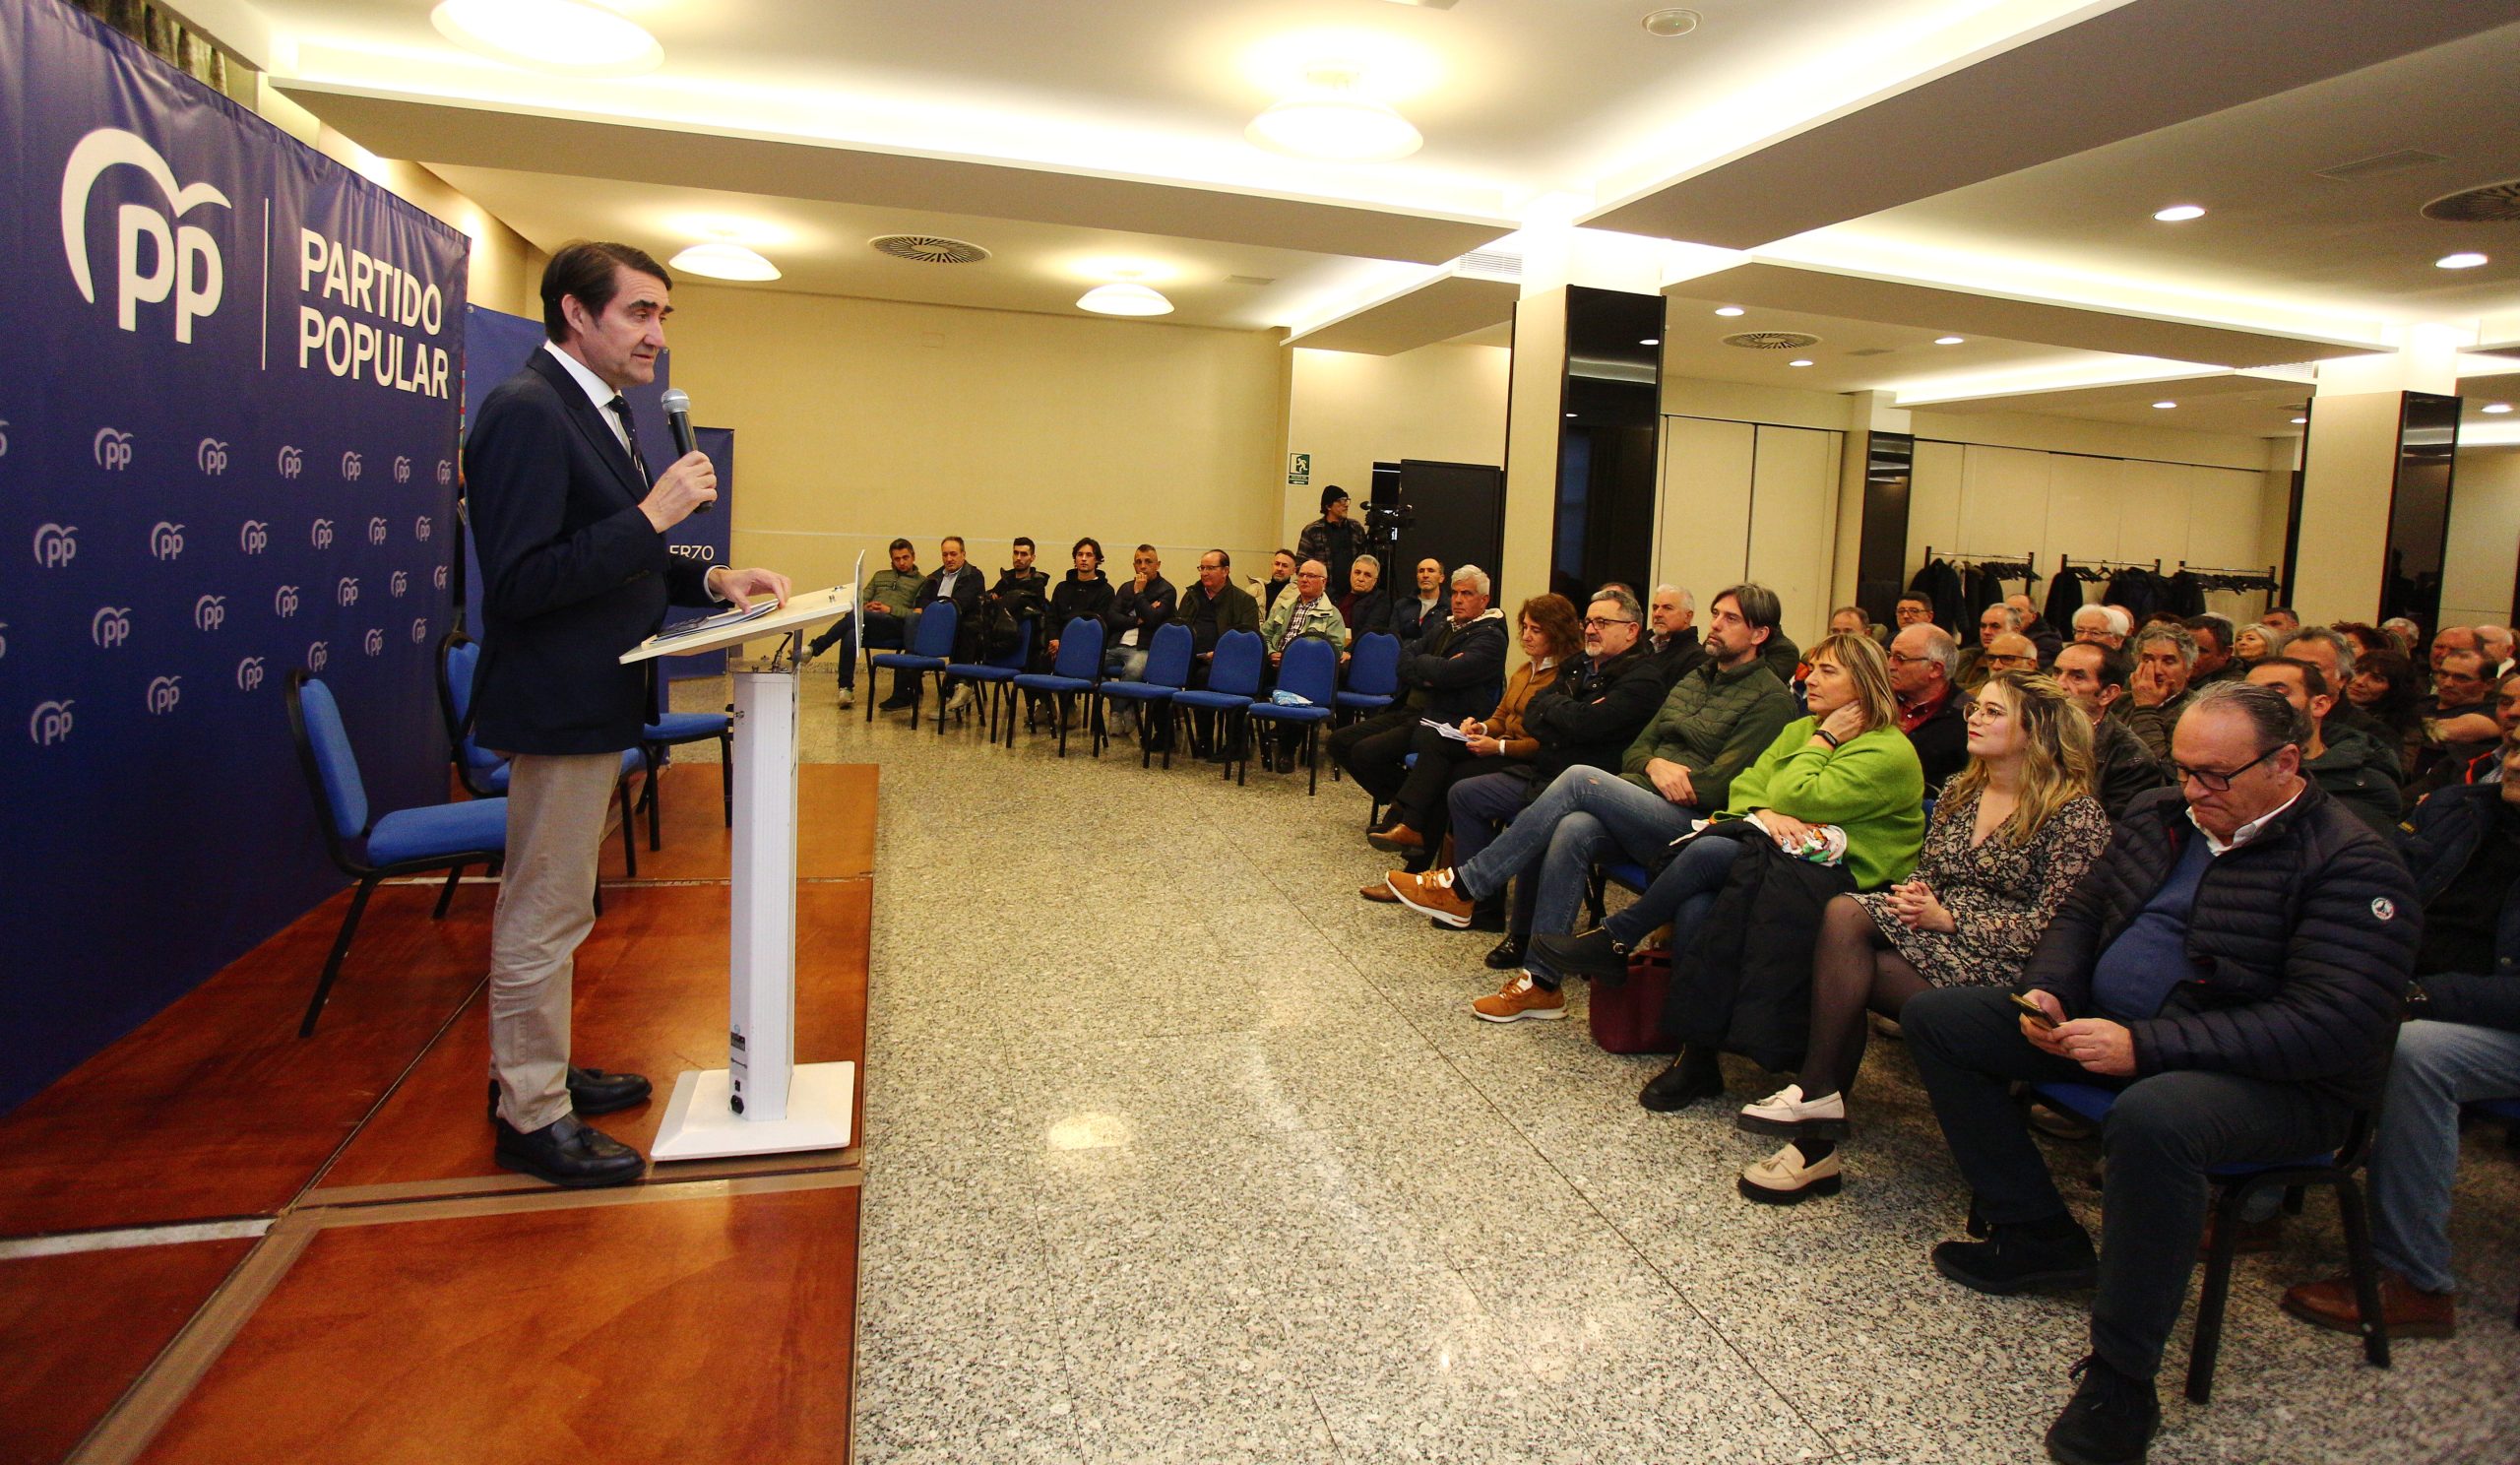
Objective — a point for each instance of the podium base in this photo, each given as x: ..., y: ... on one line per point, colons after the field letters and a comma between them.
x: 698, y: 1124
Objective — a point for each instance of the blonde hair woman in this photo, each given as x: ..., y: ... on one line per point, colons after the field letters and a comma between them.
x: 2012, y: 834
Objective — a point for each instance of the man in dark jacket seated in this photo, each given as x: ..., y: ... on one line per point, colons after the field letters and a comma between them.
x: 2096, y: 677
x: 1456, y: 670
x: 2461, y: 1044
x: 2355, y: 771
x: 1670, y: 638
x: 1924, y: 666
x: 956, y: 580
x: 2233, y: 966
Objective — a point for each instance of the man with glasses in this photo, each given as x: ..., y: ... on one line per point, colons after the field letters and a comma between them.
x: 1213, y: 605
x: 2231, y: 967
x: 2459, y: 726
x: 1932, y: 711
x: 1913, y: 610
x: 2010, y: 651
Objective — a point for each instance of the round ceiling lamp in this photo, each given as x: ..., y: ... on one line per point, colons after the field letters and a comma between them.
x: 1328, y: 120
x: 564, y: 36
x: 2179, y: 214
x: 1124, y: 298
x: 2466, y: 259
x: 723, y: 261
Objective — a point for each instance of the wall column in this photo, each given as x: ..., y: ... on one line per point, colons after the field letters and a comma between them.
x: 2358, y: 445
x: 1535, y: 419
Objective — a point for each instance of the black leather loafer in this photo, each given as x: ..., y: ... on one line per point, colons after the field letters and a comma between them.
x: 1691, y: 1077
x: 567, y: 1153
x: 1506, y: 954
x: 592, y: 1091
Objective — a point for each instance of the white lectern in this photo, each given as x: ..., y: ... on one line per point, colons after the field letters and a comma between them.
x: 763, y: 1102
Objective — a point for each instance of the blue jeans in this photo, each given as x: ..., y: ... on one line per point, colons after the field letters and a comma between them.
x: 2414, y: 1153
x: 1479, y: 804
x: 1585, y: 813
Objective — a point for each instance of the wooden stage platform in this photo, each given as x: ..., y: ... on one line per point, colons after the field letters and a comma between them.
x: 220, y: 1242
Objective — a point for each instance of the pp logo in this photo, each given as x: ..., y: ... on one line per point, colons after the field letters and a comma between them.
x: 254, y: 536
x: 50, y: 724
x: 292, y: 461
x: 400, y: 582
x: 211, y: 455
x: 440, y: 577
x: 419, y: 630
x: 351, y: 466
x: 166, y: 540
x: 320, y: 534
x: 111, y: 448
x: 402, y: 470
x: 445, y: 466
x: 285, y: 601
x: 249, y: 674
x: 183, y: 261
x: 56, y: 544
x: 376, y: 531
x: 317, y: 654
x: 110, y: 626
x: 420, y: 528
x: 164, y: 694
x: 4, y: 641
x: 374, y: 642
x: 346, y: 593
x: 4, y: 449
x: 210, y: 612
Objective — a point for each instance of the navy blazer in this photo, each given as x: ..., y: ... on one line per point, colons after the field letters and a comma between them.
x: 573, y: 574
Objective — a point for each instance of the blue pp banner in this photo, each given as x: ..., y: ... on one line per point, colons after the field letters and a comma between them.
x: 228, y: 377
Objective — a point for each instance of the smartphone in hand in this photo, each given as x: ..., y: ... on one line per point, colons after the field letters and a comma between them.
x: 2033, y: 1011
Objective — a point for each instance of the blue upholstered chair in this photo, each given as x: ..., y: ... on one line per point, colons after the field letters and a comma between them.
x: 483, y: 773
x: 1374, y: 674
x: 1167, y: 671
x: 2234, y: 1185
x: 931, y: 649
x: 666, y: 730
x: 997, y: 671
x: 1078, y: 671
x: 1233, y: 679
x: 406, y: 842
x: 1309, y: 669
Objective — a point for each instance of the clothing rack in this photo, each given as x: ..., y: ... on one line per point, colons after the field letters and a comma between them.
x: 2064, y: 563
x: 1955, y: 557
x: 2238, y: 579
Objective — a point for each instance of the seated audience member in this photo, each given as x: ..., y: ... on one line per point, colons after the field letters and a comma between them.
x: 2484, y: 767
x: 1085, y: 591
x: 2496, y: 643
x: 2122, y: 766
x: 1552, y: 636
x: 1282, y: 577
x: 1454, y: 670
x: 2385, y: 689
x: 2045, y: 637
x: 1332, y: 539
x: 2403, y: 633
x: 1366, y: 606
x: 957, y: 580
x: 1025, y: 587
x: 2461, y: 1044
x: 2367, y: 638
x: 2232, y: 965
x: 1213, y: 605
x: 2212, y: 635
x: 2011, y: 835
x: 2255, y: 642
x: 2158, y: 693
x: 1932, y: 707
x: 1997, y: 619
x: 2010, y: 651
x: 883, y: 607
x: 1413, y: 615
x: 2334, y: 655
x: 1844, y: 767
x: 1671, y: 638
x: 1855, y: 621
x: 1715, y: 721
x: 2356, y: 771
x: 1912, y: 609
x: 2449, y: 639
x: 2098, y: 625
x: 2459, y: 724
x: 1307, y: 610
x: 2284, y: 618
x: 1140, y: 607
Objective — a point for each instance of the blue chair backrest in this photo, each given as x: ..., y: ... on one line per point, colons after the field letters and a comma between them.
x: 935, y: 634
x: 1021, y: 655
x: 1168, y: 661
x: 1081, y: 649
x: 461, y: 660
x: 1374, y: 666
x: 335, y: 764
x: 1235, y: 669
x: 1311, y: 670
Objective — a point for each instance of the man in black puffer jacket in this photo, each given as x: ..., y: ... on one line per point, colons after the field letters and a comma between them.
x: 2233, y: 966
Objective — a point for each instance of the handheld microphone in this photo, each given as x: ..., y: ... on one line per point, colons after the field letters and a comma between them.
x: 677, y: 405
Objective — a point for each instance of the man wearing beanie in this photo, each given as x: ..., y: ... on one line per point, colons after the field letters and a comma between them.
x: 1334, y: 539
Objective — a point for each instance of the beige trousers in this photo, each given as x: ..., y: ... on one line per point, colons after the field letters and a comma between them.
x: 546, y: 905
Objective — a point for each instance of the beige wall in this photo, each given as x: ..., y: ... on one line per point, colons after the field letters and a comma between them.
x: 1351, y: 410
x: 857, y: 420
x: 2485, y: 537
x: 1532, y: 424
x: 1751, y: 501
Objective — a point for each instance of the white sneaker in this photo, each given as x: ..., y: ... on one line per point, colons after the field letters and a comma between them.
x: 961, y: 701
x: 1786, y: 1111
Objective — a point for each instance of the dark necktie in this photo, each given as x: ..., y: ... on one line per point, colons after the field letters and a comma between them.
x: 630, y: 429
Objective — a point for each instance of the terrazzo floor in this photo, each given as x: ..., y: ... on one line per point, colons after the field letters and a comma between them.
x: 1178, y: 1150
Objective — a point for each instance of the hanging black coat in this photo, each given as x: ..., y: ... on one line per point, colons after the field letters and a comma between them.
x: 1744, y: 984
x: 1939, y: 583
x: 2064, y: 598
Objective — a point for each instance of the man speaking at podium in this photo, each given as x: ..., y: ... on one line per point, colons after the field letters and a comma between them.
x: 574, y: 568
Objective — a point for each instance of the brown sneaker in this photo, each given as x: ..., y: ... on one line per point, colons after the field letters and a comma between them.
x: 1399, y: 839
x: 1432, y: 894
x: 1379, y: 890
x: 1521, y: 997
x: 2409, y: 1313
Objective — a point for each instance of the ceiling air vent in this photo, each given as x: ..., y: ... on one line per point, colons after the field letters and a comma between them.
x: 1251, y: 279
x: 2494, y: 203
x: 929, y: 250
x: 1771, y: 341
x: 2380, y: 167
x: 1490, y: 264
x: 1875, y: 351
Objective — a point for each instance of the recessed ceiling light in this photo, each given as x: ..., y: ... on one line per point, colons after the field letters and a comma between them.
x: 1799, y: 361
x: 2301, y: 421
x: 2164, y: 406
x: 1949, y: 340
x: 2179, y: 214
x: 723, y: 261
x: 1651, y: 341
x: 2497, y: 407
x: 1570, y: 415
x: 570, y: 35
x: 2466, y: 259
x: 1124, y: 298
x: 1728, y: 310
x: 1329, y: 120
x: 1672, y: 21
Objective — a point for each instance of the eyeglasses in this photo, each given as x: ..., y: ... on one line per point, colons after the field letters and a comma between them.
x: 1595, y: 623
x: 2011, y: 661
x: 1901, y: 658
x: 2216, y: 781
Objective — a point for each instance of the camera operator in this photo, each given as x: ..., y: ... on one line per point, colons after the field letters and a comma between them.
x: 1334, y: 539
